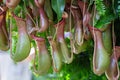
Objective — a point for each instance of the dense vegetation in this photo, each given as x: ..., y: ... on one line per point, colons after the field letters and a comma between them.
x: 73, y: 39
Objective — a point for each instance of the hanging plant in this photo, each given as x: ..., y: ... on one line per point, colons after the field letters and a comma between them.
x: 62, y: 27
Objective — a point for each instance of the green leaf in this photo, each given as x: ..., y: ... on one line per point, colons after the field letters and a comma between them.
x: 105, y: 19
x: 58, y: 6
x: 101, y: 8
x: 48, y: 9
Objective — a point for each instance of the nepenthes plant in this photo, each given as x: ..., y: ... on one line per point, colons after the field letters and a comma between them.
x: 23, y: 45
x: 66, y: 29
x: 4, y: 36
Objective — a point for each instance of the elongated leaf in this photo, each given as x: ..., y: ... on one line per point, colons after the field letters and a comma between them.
x: 58, y: 6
